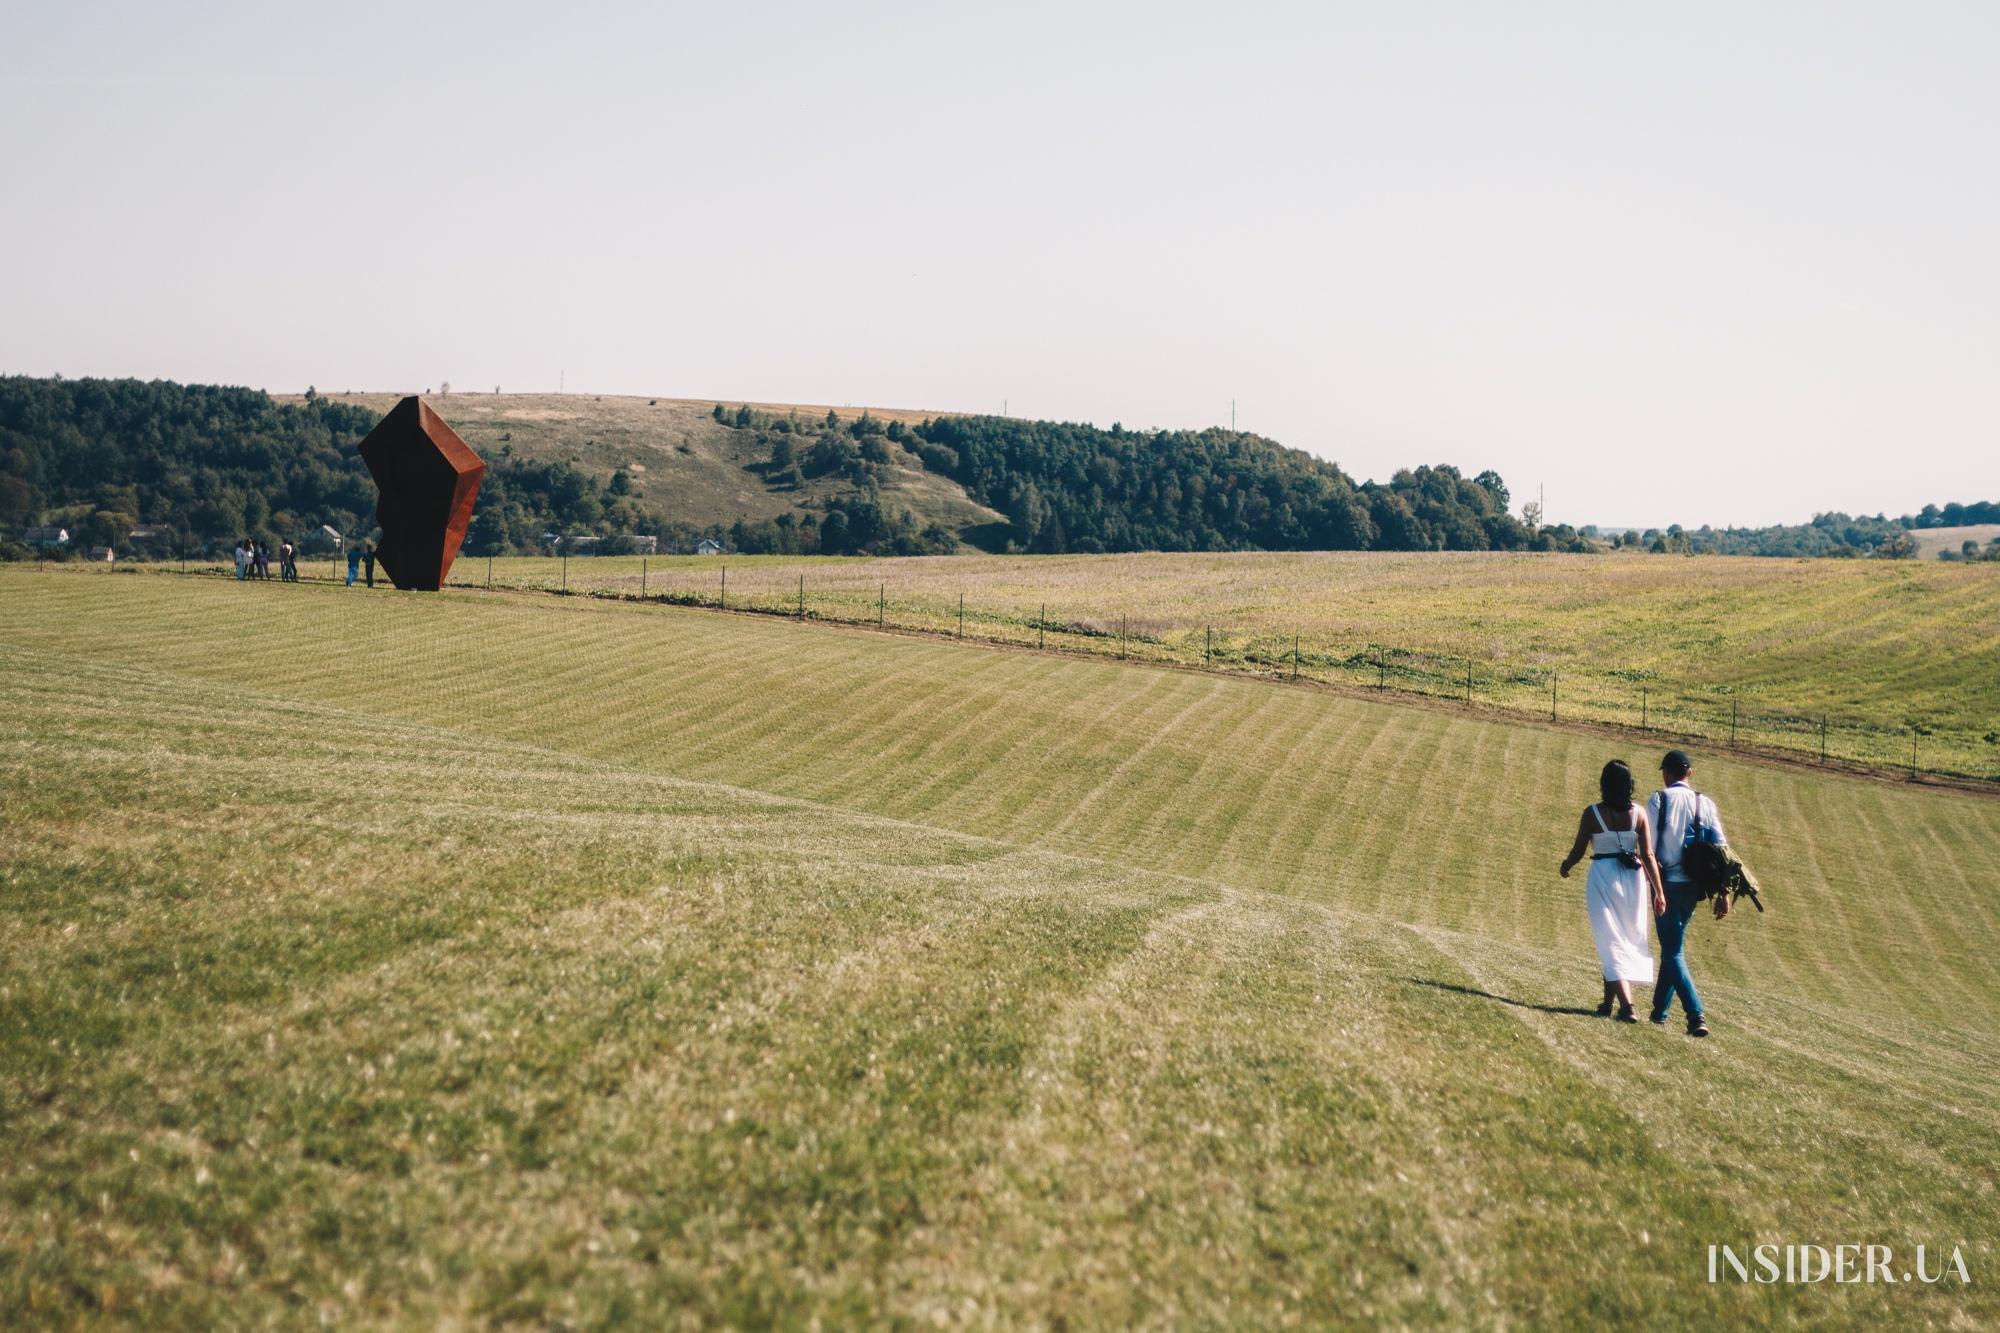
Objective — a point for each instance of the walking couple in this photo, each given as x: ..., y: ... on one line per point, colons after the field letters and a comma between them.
x: 1636, y: 874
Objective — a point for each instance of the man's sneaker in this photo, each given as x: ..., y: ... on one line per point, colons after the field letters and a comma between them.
x: 1657, y: 1020
x: 1697, y: 1026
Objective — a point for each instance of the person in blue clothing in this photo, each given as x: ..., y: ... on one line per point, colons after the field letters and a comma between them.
x: 353, y: 564
x: 1672, y: 811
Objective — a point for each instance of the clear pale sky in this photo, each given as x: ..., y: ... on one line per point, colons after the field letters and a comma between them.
x: 1717, y: 263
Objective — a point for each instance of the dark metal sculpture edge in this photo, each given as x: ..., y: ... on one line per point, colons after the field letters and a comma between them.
x: 426, y: 479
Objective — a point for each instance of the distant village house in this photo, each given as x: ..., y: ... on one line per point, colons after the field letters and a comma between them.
x: 708, y: 546
x: 46, y: 537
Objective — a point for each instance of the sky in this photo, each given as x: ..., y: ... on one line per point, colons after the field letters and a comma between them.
x: 1696, y: 263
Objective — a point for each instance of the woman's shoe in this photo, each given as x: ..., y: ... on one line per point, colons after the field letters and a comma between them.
x: 1625, y: 1015
x: 1604, y: 1010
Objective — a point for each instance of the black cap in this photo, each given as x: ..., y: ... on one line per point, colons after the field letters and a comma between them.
x: 1677, y: 761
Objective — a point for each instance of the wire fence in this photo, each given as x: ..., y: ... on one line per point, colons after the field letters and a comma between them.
x: 1638, y: 700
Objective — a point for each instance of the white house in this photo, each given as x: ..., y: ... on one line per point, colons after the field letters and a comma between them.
x: 645, y: 546
x: 46, y: 536
x: 708, y: 546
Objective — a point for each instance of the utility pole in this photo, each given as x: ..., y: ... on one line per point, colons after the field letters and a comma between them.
x: 1232, y: 415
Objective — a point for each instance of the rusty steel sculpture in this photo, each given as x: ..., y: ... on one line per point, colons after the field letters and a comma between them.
x: 426, y: 478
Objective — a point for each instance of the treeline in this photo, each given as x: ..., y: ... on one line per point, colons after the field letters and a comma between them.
x: 135, y: 464
x: 1833, y: 535
x: 202, y: 465
x: 1954, y: 515
x: 1069, y: 487
x: 1839, y: 536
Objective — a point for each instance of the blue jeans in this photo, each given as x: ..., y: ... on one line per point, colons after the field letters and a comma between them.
x: 1674, y: 977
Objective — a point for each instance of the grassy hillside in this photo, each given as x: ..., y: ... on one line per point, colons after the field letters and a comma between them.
x: 683, y: 463
x: 483, y: 958
x: 1876, y: 648
x: 1930, y: 541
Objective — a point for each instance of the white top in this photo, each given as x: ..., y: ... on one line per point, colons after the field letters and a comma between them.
x: 1672, y: 809
x: 1606, y: 841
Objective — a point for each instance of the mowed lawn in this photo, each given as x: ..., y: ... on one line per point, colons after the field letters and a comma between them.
x: 481, y: 958
x: 1875, y: 650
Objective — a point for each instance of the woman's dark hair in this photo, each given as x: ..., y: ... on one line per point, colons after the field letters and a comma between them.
x: 1615, y: 784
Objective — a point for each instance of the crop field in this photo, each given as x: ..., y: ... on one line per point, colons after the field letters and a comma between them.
x: 483, y: 958
x: 1877, y: 663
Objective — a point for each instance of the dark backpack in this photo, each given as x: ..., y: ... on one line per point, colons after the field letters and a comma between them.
x: 1701, y: 850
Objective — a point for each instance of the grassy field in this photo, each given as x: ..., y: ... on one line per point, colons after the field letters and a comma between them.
x: 1878, y: 651
x: 495, y: 958
x: 682, y: 462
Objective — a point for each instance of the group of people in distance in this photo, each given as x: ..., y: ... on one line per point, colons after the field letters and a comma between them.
x: 253, y: 560
x: 1636, y: 876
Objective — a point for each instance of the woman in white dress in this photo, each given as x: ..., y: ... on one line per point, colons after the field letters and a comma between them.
x: 1624, y: 892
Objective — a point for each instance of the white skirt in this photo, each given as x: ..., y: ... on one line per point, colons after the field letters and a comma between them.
x: 1621, y: 912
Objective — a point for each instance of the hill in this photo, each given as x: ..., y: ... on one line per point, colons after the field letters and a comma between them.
x: 1933, y: 542
x: 198, y: 466
x: 684, y: 465
x: 532, y: 960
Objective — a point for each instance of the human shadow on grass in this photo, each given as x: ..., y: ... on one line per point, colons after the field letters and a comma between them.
x: 1504, y: 999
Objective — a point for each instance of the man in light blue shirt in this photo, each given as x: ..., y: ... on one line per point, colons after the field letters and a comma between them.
x: 1672, y: 810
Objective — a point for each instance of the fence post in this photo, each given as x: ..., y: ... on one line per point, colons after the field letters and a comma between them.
x: 1822, y: 738
x: 1295, y: 657
x: 725, y: 588
x: 489, y: 569
x: 1207, y: 642
x: 1121, y: 638
x: 1554, y: 676
x: 1042, y: 627
x: 1913, y: 751
x: 882, y: 606
x: 645, y: 567
x: 1732, y: 723
x: 802, y: 597
x: 1468, y: 680
x: 1381, y: 674
x: 1642, y: 709
x: 961, y: 615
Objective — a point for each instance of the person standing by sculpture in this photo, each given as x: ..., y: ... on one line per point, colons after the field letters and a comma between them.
x: 368, y: 558
x: 243, y: 559
x: 353, y: 564
x: 288, y: 562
